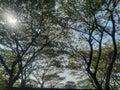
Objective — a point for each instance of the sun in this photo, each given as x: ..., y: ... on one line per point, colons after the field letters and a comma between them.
x: 11, y: 20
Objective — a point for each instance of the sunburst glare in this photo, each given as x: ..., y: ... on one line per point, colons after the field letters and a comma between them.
x: 11, y: 19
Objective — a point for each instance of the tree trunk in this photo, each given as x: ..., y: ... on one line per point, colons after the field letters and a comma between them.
x: 9, y: 85
x: 98, y: 86
x: 109, y: 71
x: 42, y: 85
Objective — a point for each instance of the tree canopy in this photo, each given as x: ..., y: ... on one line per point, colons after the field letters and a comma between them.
x: 40, y: 39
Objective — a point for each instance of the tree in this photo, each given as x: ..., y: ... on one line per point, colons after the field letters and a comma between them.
x: 53, y: 80
x: 86, y: 17
x: 46, y: 71
x: 36, y: 31
x: 70, y: 85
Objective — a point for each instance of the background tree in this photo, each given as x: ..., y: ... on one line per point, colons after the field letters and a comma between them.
x: 86, y: 17
x: 46, y: 71
x: 70, y: 84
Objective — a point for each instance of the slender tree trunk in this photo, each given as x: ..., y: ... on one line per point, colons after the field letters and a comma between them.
x: 109, y: 71
x: 93, y: 75
x: 23, y: 79
x: 98, y: 86
x: 42, y: 84
x: 99, y: 54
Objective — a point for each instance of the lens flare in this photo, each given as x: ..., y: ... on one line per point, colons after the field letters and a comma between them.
x: 11, y: 20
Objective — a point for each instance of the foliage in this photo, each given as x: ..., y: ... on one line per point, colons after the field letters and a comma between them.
x: 95, y: 20
x: 37, y: 30
x: 70, y: 85
x: 47, y: 29
x: 46, y: 71
x: 2, y: 85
